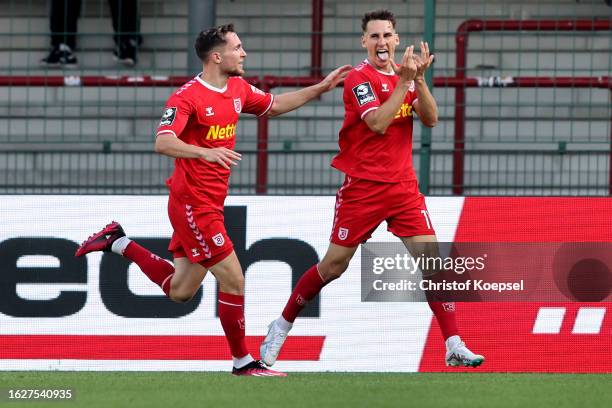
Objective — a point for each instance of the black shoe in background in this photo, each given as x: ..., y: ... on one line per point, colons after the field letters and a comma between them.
x: 126, y: 52
x: 60, y: 56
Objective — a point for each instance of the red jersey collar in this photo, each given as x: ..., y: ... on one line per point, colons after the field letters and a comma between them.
x: 209, y: 86
x: 377, y: 70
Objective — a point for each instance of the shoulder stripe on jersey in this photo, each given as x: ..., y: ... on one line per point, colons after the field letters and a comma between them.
x: 170, y: 132
x: 368, y: 110
x: 269, y: 106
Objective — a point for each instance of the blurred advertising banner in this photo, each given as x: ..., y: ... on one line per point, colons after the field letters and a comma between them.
x: 58, y: 312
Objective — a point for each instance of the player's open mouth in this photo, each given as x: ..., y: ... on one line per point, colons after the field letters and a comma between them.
x: 382, y: 55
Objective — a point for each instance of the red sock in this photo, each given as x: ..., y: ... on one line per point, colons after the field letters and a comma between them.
x: 157, y: 269
x: 445, y: 315
x: 307, y: 287
x: 231, y: 314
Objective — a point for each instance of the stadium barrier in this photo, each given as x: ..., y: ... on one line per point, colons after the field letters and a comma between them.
x: 461, y: 40
x: 267, y: 83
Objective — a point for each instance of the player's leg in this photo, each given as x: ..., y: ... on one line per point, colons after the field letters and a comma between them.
x: 186, y: 280
x: 231, y: 306
x: 331, y: 267
x: 200, y: 236
x: 457, y: 354
x: 180, y: 281
x: 358, y: 211
x: 113, y: 238
x: 411, y: 222
x: 426, y: 246
x: 228, y: 273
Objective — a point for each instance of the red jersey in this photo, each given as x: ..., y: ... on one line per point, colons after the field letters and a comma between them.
x: 202, y: 115
x: 364, y: 153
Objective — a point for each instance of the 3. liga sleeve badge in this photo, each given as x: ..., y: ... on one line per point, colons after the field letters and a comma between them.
x: 168, y: 117
x: 364, y: 94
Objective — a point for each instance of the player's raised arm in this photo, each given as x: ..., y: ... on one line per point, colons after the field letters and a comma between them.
x: 425, y: 106
x: 289, y: 101
x: 379, y: 120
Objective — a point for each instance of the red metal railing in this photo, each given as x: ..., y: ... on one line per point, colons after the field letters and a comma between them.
x: 460, y: 81
x: 316, y: 39
x: 461, y: 39
x: 116, y: 81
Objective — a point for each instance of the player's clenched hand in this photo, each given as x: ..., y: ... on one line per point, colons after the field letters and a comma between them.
x: 335, y: 77
x: 222, y: 155
x: 423, y: 61
x: 407, y: 70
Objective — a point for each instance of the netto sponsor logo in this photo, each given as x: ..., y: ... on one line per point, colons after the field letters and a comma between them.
x: 217, y: 132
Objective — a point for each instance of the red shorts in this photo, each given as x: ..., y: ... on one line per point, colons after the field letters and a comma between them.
x: 361, y: 205
x: 199, y: 233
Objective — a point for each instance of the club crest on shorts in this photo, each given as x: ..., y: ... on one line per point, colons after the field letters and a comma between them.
x: 218, y: 239
x: 168, y: 117
x: 237, y: 105
x: 343, y: 233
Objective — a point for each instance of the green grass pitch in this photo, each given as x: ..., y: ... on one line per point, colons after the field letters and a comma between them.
x: 195, y: 389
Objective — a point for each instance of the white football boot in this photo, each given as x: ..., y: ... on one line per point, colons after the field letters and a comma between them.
x: 458, y: 355
x: 272, y: 344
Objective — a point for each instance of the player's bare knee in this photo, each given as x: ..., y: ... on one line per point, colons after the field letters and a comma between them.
x: 235, y: 288
x: 181, y: 293
x: 233, y: 284
x: 333, y: 269
x: 181, y: 296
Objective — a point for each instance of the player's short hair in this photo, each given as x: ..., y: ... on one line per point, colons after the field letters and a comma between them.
x: 380, y: 14
x: 209, y: 39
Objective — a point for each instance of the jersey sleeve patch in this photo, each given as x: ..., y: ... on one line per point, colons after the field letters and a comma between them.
x: 364, y: 94
x: 168, y: 117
